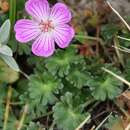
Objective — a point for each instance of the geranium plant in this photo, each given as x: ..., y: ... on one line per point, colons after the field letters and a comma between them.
x: 61, y: 68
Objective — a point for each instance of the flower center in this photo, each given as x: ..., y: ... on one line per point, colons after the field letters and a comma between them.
x: 46, y: 26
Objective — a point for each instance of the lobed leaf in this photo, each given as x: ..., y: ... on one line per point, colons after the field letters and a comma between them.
x: 66, y: 115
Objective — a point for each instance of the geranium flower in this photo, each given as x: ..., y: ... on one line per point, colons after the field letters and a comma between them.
x: 47, y: 27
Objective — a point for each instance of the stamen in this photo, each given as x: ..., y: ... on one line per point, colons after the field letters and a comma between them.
x: 46, y: 26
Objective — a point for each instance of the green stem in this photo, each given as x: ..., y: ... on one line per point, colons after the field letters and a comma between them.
x: 25, y: 75
x: 12, y: 11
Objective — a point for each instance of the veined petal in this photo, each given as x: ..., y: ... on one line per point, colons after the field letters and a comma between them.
x: 37, y: 0
x: 38, y: 9
x: 44, y: 45
x: 26, y: 30
x: 60, y: 14
x: 63, y: 35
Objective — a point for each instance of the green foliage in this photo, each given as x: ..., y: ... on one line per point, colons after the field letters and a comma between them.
x: 108, y: 31
x: 127, y: 70
x: 125, y: 43
x: 78, y: 76
x: 44, y: 86
x: 24, y: 49
x: 60, y: 90
x: 67, y: 113
x: 61, y: 62
x: 42, y: 90
x: 107, y: 87
x: 104, y: 86
x: 21, y: 3
x: 34, y: 126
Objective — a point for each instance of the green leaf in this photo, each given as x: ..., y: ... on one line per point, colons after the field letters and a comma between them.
x: 21, y: 3
x: 61, y: 61
x: 104, y: 86
x: 78, y: 76
x: 67, y: 114
x: 5, y: 50
x: 42, y: 88
x: 24, y: 49
x: 10, y: 62
x: 5, y: 32
x: 125, y: 43
x: 34, y: 126
x: 108, y: 31
x: 127, y: 70
x: 7, y: 74
x: 36, y: 108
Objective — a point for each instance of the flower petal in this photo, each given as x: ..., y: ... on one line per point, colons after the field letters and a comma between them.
x: 60, y: 14
x: 63, y: 35
x: 26, y: 30
x: 38, y: 9
x: 44, y: 45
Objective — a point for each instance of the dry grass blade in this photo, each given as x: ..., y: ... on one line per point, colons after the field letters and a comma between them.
x: 117, y: 76
x: 83, y: 123
x: 6, y: 115
x: 121, y: 18
x: 23, y: 117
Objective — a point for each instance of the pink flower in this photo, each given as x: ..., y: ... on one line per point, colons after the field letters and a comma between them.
x: 47, y: 27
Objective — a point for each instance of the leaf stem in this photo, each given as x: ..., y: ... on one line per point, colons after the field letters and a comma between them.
x: 25, y: 75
